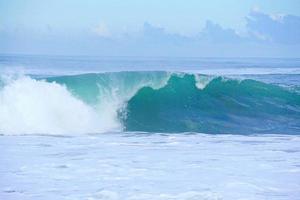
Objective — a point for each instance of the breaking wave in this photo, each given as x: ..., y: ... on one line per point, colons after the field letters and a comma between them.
x: 147, y: 102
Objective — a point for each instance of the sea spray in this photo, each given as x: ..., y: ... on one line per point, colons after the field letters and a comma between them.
x: 29, y: 106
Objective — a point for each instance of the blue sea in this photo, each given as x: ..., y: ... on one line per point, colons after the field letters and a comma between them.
x: 160, y: 128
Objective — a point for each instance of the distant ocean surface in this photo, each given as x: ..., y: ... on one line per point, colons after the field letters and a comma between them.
x: 79, y: 127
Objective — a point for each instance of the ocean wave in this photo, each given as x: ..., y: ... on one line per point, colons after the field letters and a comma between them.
x: 147, y: 102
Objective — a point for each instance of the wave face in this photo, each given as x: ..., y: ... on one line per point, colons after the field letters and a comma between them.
x: 223, y: 106
x: 147, y: 102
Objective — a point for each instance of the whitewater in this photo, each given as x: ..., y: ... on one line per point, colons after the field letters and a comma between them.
x: 140, y: 128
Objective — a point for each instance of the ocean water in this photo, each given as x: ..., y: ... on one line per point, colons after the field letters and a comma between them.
x: 149, y: 128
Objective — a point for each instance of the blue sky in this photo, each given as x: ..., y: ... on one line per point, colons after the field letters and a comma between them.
x: 151, y: 28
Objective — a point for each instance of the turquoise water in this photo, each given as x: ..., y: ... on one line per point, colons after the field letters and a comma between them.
x: 149, y: 128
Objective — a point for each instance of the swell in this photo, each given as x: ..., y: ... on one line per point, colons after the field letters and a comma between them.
x: 148, y: 102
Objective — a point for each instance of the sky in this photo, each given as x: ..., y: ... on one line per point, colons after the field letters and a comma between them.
x: 231, y: 28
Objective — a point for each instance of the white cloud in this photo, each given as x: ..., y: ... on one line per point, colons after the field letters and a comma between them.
x: 102, y: 30
x: 284, y: 29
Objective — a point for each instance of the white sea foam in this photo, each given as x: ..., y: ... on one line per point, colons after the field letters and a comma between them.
x: 136, y: 166
x: 29, y: 106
